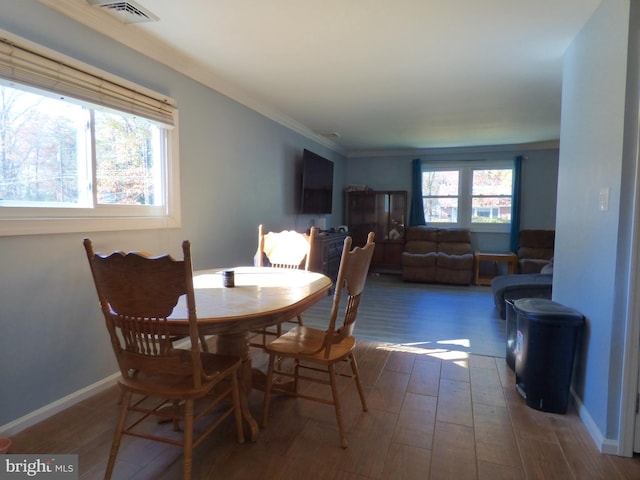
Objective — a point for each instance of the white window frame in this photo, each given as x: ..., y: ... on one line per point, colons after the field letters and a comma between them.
x: 50, y: 220
x: 465, y: 187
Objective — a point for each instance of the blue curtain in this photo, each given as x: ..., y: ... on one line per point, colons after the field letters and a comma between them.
x: 416, y: 212
x: 517, y: 200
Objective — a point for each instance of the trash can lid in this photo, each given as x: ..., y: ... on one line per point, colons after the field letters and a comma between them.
x: 548, y: 311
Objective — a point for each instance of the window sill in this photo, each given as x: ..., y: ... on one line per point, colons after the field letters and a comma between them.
x: 43, y: 226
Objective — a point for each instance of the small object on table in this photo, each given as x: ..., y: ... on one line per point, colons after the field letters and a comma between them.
x: 228, y: 278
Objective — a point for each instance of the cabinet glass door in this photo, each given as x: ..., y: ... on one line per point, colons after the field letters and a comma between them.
x: 361, y: 216
x: 397, y: 209
x: 382, y: 216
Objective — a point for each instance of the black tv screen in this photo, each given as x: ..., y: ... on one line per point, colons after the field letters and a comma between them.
x: 317, y: 184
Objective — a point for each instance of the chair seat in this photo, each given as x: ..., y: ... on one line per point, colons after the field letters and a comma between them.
x: 308, y: 341
x: 318, y: 351
x: 181, y: 387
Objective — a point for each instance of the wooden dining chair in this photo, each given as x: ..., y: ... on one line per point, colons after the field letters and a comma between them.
x: 137, y: 294
x: 285, y: 249
x: 328, y: 351
x: 178, y: 338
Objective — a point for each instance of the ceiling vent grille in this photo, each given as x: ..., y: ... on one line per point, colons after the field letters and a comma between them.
x: 127, y: 12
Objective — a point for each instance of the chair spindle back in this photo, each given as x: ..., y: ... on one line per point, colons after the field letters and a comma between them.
x: 137, y: 294
x: 352, y: 276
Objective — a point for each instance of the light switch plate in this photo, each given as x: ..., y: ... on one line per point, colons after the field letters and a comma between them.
x: 603, y: 202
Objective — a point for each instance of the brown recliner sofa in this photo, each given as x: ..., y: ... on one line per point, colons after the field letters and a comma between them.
x: 437, y: 255
x: 535, y: 250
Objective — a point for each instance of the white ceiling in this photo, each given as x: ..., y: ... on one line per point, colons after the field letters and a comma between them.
x: 385, y: 75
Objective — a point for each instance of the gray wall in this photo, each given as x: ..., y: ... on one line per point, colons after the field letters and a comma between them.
x: 592, y: 246
x: 539, y: 181
x: 238, y: 169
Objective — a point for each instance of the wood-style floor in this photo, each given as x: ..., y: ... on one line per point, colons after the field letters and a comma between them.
x: 425, y: 316
x: 442, y: 405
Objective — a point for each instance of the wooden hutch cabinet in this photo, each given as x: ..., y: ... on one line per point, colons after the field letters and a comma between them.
x: 385, y: 214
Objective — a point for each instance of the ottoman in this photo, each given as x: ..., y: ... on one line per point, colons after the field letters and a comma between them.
x: 513, y: 287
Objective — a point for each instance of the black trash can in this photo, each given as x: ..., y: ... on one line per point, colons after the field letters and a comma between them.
x: 546, y: 337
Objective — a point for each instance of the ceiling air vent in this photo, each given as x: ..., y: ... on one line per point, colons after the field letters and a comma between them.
x: 127, y: 12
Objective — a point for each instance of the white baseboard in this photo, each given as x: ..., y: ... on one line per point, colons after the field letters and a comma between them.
x: 51, y: 409
x: 604, y: 445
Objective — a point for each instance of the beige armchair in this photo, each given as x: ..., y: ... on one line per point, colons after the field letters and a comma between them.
x: 535, y: 250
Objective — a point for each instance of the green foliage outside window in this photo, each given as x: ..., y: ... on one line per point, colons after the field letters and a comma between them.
x: 46, y: 157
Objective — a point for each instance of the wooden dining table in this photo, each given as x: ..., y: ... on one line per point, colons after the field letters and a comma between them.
x: 262, y: 296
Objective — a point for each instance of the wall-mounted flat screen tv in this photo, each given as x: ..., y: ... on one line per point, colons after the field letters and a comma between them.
x: 317, y: 184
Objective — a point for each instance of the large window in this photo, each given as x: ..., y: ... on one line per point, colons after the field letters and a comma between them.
x: 475, y: 195
x: 79, y: 152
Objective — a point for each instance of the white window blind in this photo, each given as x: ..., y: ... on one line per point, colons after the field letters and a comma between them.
x: 25, y: 66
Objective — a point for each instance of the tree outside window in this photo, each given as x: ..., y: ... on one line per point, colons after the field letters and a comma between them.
x: 491, y: 196
x: 46, y: 161
x: 440, y: 190
x: 469, y: 196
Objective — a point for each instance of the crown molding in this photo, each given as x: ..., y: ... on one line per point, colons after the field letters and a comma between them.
x: 545, y: 145
x: 144, y: 43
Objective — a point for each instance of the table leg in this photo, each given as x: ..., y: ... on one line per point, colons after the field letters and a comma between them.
x: 237, y: 344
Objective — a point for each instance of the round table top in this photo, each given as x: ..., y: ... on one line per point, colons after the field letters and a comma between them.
x: 261, y: 296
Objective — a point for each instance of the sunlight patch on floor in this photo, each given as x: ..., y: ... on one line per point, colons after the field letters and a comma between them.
x: 462, y: 342
x: 422, y: 348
